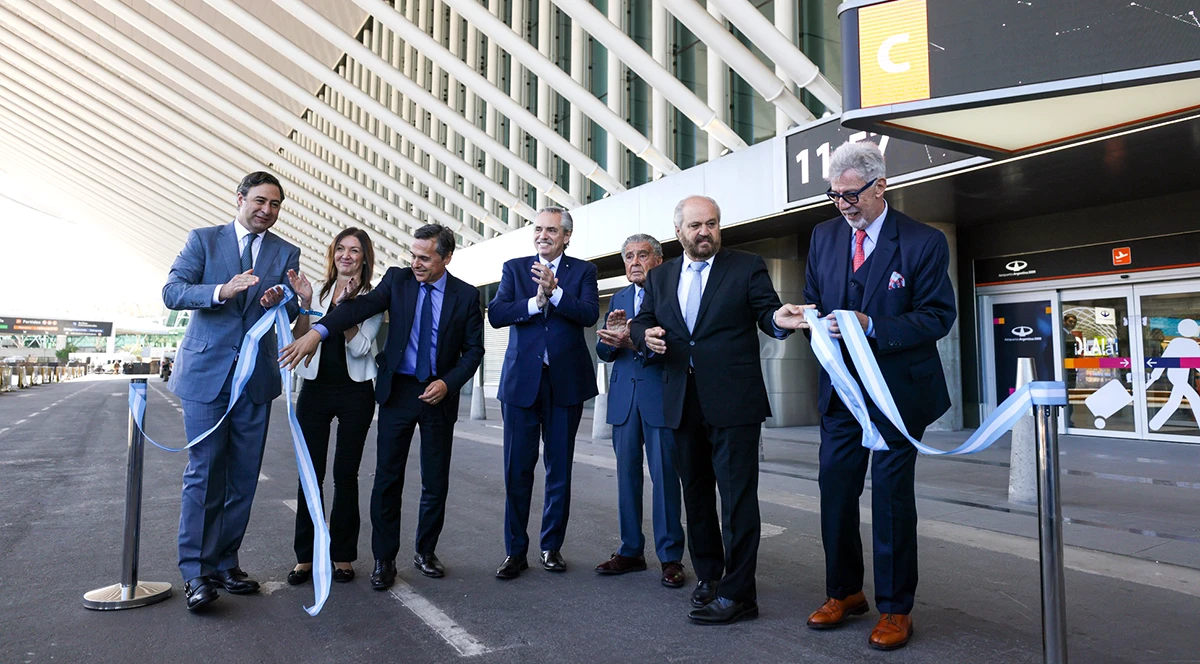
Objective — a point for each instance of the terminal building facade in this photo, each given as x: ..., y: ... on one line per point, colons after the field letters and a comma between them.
x: 1053, y: 146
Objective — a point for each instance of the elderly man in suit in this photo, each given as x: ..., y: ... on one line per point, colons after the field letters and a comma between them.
x: 434, y: 346
x: 892, y: 272
x: 635, y: 411
x: 546, y: 301
x: 228, y: 275
x: 700, y: 318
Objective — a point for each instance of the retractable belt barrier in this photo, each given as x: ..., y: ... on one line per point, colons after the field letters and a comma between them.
x: 277, y: 318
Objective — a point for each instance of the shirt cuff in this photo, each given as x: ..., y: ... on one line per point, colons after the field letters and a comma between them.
x: 321, y: 330
x: 556, y: 296
x: 533, y: 307
x: 780, y: 334
x: 217, y: 297
x: 870, y: 327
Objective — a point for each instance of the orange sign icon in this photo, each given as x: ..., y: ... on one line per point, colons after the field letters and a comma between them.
x: 893, y: 52
x: 1122, y: 256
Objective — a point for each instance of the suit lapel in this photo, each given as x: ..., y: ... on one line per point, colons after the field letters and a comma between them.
x: 671, y: 284
x: 881, y: 257
x: 448, y: 300
x: 227, y: 242
x: 720, y: 267
x: 410, y: 306
x: 841, y: 265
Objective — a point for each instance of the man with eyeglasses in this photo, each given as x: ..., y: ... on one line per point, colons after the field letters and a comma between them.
x: 891, y: 271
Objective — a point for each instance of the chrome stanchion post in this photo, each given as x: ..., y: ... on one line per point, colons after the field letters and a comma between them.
x: 130, y: 593
x: 1054, y: 601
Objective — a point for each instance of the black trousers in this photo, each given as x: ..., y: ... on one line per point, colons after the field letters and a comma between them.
x: 316, y: 407
x: 398, y: 420
x: 726, y: 459
x: 893, y: 510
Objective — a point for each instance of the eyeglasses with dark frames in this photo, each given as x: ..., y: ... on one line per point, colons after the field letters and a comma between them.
x: 851, y: 197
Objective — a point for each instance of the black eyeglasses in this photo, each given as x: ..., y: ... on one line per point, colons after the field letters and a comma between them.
x: 851, y: 197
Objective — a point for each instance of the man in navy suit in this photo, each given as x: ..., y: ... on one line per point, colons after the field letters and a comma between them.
x: 434, y: 346
x: 546, y: 301
x: 228, y: 276
x: 892, y: 272
x: 635, y: 410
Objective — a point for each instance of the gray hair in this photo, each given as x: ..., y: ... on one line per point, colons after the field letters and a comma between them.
x: 655, y: 245
x: 568, y: 223
x: 679, y: 208
x: 863, y: 157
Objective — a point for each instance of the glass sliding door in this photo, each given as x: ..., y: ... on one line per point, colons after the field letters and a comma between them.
x: 1099, y: 361
x: 1169, y: 315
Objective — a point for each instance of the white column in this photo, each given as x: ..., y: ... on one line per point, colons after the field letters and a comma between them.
x: 660, y: 130
x: 616, y: 94
x: 718, y: 74
x: 785, y: 22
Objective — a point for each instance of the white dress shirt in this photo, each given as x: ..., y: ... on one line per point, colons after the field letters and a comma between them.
x: 872, y: 230
x: 556, y: 296
x: 685, y: 280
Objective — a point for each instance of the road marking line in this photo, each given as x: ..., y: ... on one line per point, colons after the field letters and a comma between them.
x: 291, y: 503
x: 262, y: 477
x: 34, y: 414
x: 5, y: 429
x: 45, y: 409
x: 19, y: 422
x: 450, y: 631
x: 771, y: 530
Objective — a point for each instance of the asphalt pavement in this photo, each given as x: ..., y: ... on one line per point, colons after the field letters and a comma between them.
x: 62, y: 470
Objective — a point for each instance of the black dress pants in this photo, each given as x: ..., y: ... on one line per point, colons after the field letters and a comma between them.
x: 398, y: 419
x: 353, y: 405
x: 726, y: 459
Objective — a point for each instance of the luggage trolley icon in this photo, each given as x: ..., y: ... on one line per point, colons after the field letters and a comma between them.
x: 1107, y: 400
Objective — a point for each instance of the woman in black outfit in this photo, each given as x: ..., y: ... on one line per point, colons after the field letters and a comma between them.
x: 337, y: 383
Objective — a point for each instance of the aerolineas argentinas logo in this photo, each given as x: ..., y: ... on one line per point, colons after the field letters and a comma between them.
x: 1017, y: 268
x: 1022, y: 331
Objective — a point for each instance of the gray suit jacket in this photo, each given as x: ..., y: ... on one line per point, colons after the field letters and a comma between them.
x: 211, y: 344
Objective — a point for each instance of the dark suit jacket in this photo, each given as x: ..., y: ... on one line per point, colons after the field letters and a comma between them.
x: 460, y: 330
x: 723, y: 346
x: 631, y: 374
x: 558, y: 332
x: 908, y: 319
x: 214, y: 334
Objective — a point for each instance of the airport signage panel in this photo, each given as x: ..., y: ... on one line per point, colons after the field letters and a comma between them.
x: 34, y: 326
x: 808, y: 152
x: 1154, y: 253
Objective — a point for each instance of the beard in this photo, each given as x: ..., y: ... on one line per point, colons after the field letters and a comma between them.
x: 857, y: 224
x: 692, y: 248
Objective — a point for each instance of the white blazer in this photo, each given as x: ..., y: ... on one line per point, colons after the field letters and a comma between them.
x: 360, y: 351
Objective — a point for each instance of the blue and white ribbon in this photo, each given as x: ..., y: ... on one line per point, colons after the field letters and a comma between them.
x: 275, y: 317
x: 829, y: 354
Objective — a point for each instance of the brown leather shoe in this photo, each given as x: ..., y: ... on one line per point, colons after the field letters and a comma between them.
x: 891, y: 632
x: 619, y: 564
x: 834, y: 611
x: 672, y: 574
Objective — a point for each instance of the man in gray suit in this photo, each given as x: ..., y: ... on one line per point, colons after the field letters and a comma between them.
x: 229, y: 276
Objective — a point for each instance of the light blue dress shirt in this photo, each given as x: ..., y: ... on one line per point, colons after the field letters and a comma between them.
x: 408, y: 365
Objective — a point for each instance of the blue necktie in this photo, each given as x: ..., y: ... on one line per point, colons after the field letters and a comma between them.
x: 425, y: 336
x: 693, y: 296
x: 637, y: 302
x: 247, y: 263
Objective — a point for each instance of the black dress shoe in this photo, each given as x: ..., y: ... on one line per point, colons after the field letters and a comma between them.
x: 235, y: 581
x: 299, y: 576
x: 429, y: 565
x: 723, y: 611
x: 705, y: 592
x: 199, y: 591
x: 343, y: 575
x: 552, y: 561
x: 512, y: 567
x: 384, y: 575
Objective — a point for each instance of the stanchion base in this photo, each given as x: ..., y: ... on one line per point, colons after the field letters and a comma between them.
x: 109, y: 597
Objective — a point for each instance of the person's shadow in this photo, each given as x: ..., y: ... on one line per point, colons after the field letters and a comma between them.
x: 1182, y: 346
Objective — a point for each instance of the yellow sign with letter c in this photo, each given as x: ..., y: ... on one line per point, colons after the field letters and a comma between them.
x: 893, y: 53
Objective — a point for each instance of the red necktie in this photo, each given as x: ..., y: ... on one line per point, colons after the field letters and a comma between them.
x: 860, y: 256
